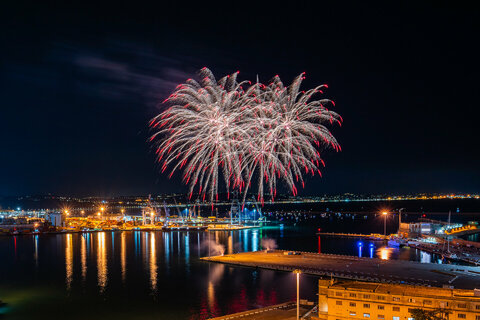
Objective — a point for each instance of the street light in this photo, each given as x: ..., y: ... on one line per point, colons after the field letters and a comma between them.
x: 385, y: 222
x: 297, y: 272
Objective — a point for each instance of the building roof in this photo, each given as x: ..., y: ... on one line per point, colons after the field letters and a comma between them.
x: 398, y: 289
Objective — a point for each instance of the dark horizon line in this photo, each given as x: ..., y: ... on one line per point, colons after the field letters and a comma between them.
x: 266, y: 196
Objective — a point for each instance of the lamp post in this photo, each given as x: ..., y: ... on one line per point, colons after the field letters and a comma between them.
x: 385, y: 223
x: 297, y: 272
x: 102, y: 210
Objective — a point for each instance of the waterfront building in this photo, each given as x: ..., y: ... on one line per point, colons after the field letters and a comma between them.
x: 377, y: 301
x: 56, y: 219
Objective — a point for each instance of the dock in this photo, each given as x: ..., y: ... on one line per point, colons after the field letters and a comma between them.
x: 354, y: 268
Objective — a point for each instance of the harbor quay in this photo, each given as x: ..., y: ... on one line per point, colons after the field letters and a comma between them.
x: 354, y: 268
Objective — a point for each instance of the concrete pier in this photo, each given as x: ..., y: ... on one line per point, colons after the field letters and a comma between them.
x: 364, y: 269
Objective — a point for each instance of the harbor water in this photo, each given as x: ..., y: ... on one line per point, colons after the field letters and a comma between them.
x: 158, y: 275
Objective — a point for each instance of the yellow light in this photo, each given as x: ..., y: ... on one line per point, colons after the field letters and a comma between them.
x: 384, y: 254
x: 98, y: 213
x: 384, y: 212
x: 102, y: 208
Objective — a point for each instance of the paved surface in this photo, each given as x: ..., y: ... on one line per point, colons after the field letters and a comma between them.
x: 365, y: 269
x: 284, y: 311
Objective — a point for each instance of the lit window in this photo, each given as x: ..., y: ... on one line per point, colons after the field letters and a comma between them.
x: 381, y: 316
x: 396, y: 299
x: 366, y: 305
x: 366, y: 315
x: 396, y: 308
x: 411, y: 319
x: 353, y: 314
x: 353, y: 304
x: 462, y: 316
x: 411, y: 300
x: 395, y: 318
x: 339, y: 303
x: 381, y: 307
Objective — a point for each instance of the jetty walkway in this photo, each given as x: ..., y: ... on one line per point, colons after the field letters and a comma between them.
x: 364, y: 269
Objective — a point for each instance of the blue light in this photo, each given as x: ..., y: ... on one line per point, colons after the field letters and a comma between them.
x: 360, y: 243
x: 371, y: 245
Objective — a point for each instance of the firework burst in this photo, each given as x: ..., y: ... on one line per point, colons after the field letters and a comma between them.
x: 238, y: 132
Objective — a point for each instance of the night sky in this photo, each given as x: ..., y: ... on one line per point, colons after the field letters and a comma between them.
x: 79, y: 82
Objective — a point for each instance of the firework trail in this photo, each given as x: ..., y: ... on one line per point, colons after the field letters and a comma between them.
x: 242, y: 131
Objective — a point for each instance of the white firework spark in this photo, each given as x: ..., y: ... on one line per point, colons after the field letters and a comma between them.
x: 215, y: 128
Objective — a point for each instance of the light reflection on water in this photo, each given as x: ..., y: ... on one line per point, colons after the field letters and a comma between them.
x: 68, y: 260
x: 211, y: 295
x: 230, y: 243
x: 187, y: 248
x: 384, y: 253
x: 254, y: 240
x: 123, y: 256
x: 83, y: 256
x: 102, y: 268
x: 145, y: 244
x: 36, y: 249
x: 153, y: 262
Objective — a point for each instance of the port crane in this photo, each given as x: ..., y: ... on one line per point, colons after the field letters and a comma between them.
x: 178, y: 210
x: 167, y: 211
